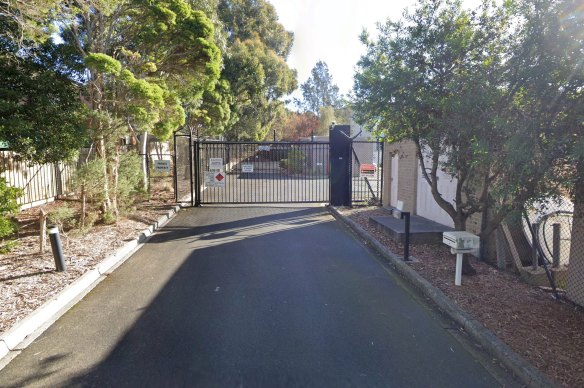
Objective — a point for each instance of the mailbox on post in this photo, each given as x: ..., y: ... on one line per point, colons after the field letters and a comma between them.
x: 460, y: 243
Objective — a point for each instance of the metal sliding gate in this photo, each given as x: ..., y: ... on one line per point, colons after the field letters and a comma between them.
x: 214, y: 172
x: 245, y: 173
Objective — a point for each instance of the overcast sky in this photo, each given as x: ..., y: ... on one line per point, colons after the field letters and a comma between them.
x: 329, y: 30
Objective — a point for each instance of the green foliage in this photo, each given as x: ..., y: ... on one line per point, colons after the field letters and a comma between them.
x: 326, y: 116
x: 435, y: 78
x: 109, y: 218
x: 40, y: 112
x: 103, y: 63
x: 245, y: 19
x: 63, y: 217
x: 492, y: 96
x: 138, y: 65
x: 8, y: 206
x: 255, y: 67
x: 319, y: 90
x: 130, y: 180
x: 296, y: 161
x: 89, y: 178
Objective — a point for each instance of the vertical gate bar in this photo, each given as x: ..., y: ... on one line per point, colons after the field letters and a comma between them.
x: 174, y: 172
x: 194, y: 158
x: 253, y: 181
x: 243, y: 183
x: 238, y: 172
x: 224, y: 155
x: 380, y: 168
x: 311, y: 176
x: 263, y: 181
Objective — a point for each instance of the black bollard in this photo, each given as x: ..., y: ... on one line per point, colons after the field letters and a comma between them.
x: 57, y: 248
x: 406, y: 215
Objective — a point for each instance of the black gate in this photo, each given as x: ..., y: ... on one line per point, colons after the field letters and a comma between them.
x: 217, y: 172
x: 253, y: 172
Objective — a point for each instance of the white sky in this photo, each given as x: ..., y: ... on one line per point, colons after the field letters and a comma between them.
x: 329, y: 30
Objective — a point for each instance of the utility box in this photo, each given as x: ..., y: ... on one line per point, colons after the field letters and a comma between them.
x: 461, y: 241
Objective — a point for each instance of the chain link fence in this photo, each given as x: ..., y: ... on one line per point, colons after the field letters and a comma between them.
x: 556, y: 243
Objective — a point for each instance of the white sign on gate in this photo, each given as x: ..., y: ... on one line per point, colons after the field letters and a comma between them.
x: 247, y: 167
x: 215, y: 164
x: 215, y: 178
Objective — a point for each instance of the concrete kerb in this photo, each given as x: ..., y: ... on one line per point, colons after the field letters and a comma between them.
x: 40, y: 319
x: 526, y: 372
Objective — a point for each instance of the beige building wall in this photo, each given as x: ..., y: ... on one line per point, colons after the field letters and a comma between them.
x: 407, y: 174
x: 408, y: 180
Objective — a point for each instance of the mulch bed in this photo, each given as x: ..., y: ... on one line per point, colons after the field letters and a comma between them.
x: 546, y: 332
x: 28, y: 278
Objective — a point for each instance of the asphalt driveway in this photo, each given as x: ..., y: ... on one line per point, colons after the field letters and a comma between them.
x: 251, y: 296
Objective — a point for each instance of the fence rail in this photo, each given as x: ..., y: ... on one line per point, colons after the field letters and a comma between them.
x: 41, y: 183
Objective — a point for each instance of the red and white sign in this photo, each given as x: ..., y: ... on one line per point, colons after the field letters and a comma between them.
x: 215, y: 178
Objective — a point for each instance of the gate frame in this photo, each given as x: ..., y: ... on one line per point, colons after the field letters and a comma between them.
x: 194, y: 156
x: 198, y: 169
x: 188, y: 135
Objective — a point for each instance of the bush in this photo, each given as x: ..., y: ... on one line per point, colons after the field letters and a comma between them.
x: 8, y: 206
x: 296, y: 161
x: 89, y: 178
x: 63, y: 217
x: 130, y: 180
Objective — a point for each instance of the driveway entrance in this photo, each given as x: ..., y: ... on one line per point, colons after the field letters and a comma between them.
x: 250, y: 296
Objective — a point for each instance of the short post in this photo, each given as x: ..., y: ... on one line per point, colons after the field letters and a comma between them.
x: 406, y: 215
x: 57, y: 248
x: 458, y: 273
x: 556, y: 246
x: 534, y: 261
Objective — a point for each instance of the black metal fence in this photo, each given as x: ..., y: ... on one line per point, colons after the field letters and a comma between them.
x: 260, y: 172
x: 367, y: 173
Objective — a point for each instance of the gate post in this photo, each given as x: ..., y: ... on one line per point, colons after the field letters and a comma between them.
x: 174, y: 169
x: 196, y: 195
x: 340, y: 162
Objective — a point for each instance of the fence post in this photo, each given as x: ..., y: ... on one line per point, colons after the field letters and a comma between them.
x: 556, y: 246
x: 196, y: 185
x: 534, y: 261
x: 147, y: 171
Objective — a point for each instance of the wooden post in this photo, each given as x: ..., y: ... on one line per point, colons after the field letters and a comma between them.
x: 43, y: 229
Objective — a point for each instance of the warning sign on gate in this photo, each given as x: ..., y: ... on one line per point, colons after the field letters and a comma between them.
x: 215, y: 178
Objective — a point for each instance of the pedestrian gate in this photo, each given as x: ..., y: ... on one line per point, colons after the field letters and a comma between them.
x: 214, y: 172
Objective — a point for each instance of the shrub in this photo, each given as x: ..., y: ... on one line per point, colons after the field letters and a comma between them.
x: 88, y: 181
x: 296, y: 161
x: 130, y: 180
x: 8, y: 206
x: 63, y: 217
